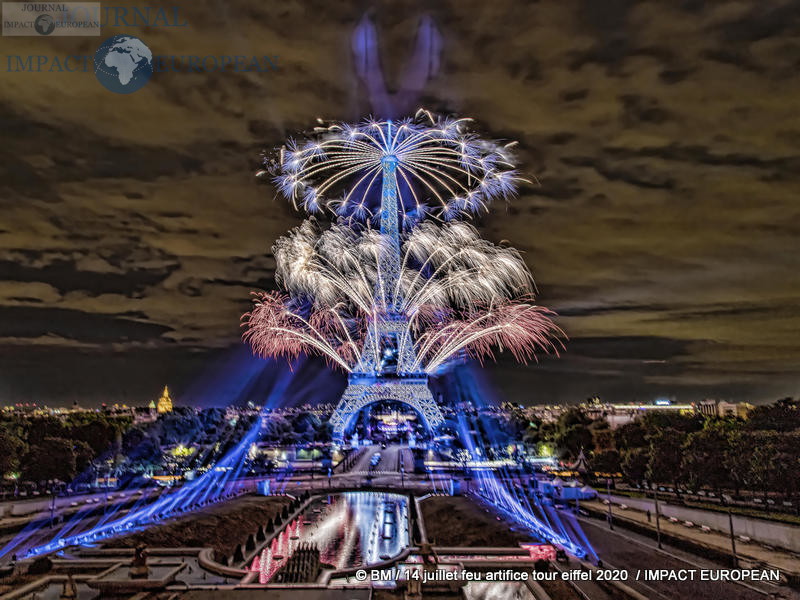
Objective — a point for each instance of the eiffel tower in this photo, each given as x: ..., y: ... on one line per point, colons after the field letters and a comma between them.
x: 386, y: 371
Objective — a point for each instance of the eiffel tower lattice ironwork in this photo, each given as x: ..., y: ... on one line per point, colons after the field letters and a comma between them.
x: 386, y: 370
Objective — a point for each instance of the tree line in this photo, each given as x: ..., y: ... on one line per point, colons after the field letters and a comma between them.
x: 79, y: 447
x: 760, y: 453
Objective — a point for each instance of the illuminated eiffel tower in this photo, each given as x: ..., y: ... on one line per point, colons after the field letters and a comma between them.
x: 386, y: 371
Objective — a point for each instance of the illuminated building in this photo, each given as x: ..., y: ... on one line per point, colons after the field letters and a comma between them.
x: 722, y: 409
x: 165, y: 402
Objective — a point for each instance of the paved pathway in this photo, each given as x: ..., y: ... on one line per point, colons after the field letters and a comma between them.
x: 776, y: 558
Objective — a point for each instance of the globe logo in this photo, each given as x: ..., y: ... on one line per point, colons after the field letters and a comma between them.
x: 123, y: 64
x: 44, y: 24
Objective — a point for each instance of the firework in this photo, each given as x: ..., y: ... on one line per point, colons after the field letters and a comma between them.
x: 521, y: 328
x: 442, y: 169
x: 460, y: 295
x: 442, y: 265
x: 435, y: 291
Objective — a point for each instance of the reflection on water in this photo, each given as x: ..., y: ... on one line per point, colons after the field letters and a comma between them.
x: 350, y: 530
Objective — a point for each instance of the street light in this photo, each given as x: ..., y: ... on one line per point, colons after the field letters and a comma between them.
x: 105, y: 500
x: 733, y: 540
x: 608, y: 491
x: 52, y: 503
x: 658, y: 519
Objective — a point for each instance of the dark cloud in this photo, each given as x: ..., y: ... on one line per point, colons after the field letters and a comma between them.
x: 643, y: 348
x: 64, y: 276
x: 585, y: 311
x: 661, y: 222
x: 762, y: 21
x: 81, y: 155
x: 75, y: 325
x: 636, y: 175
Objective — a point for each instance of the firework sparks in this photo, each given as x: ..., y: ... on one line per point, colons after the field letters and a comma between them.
x: 461, y: 295
x: 273, y: 329
x: 439, y: 290
x: 441, y: 265
x: 443, y: 169
x: 519, y: 327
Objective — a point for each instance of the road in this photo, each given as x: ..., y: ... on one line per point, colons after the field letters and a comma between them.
x: 392, y: 458
x: 395, y: 456
x: 621, y: 549
x: 362, y: 464
x: 626, y: 550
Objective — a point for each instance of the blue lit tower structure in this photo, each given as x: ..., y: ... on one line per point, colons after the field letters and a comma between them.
x: 390, y: 315
x: 385, y: 371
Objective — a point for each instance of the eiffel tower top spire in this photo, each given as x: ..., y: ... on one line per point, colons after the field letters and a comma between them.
x: 388, y: 336
x: 390, y: 254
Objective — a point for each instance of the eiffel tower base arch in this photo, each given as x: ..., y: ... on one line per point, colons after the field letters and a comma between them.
x: 361, y: 392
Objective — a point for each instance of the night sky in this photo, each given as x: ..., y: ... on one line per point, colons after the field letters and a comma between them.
x: 665, y: 137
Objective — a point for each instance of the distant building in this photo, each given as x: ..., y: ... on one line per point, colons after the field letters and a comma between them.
x: 720, y: 408
x: 144, y: 414
x: 730, y: 409
x: 707, y: 407
x: 165, y: 402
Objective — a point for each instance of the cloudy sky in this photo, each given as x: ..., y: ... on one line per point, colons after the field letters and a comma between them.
x: 665, y: 137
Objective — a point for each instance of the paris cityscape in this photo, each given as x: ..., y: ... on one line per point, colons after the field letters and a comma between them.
x: 451, y: 301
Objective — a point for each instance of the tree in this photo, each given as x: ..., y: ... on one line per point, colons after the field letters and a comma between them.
x: 572, y: 433
x: 631, y: 435
x: 179, y: 427
x: 211, y: 417
x: 290, y: 438
x: 517, y: 423
x: 702, y: 452
x: 602, y: 435
x: 783, y: 416
x: 533, y: 432
x: 666, y: 449
x: 146, y: 452
x: 98, y: 433
x: 606, y: 461
x: 762, y: 470
x: 83, y: 455
x: 786, y: 464
x: 11, y: 446
x: 132, y: 438
x: 305, y: 422
x: 572, y: 416
x: 324, y: 433
x: 39, y: 428
x: 634, y: 464
x: 736, y: 458
x: 658, y: 420
x: 52, y: 458
x: 275, y: 428
x: 574, y: 439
